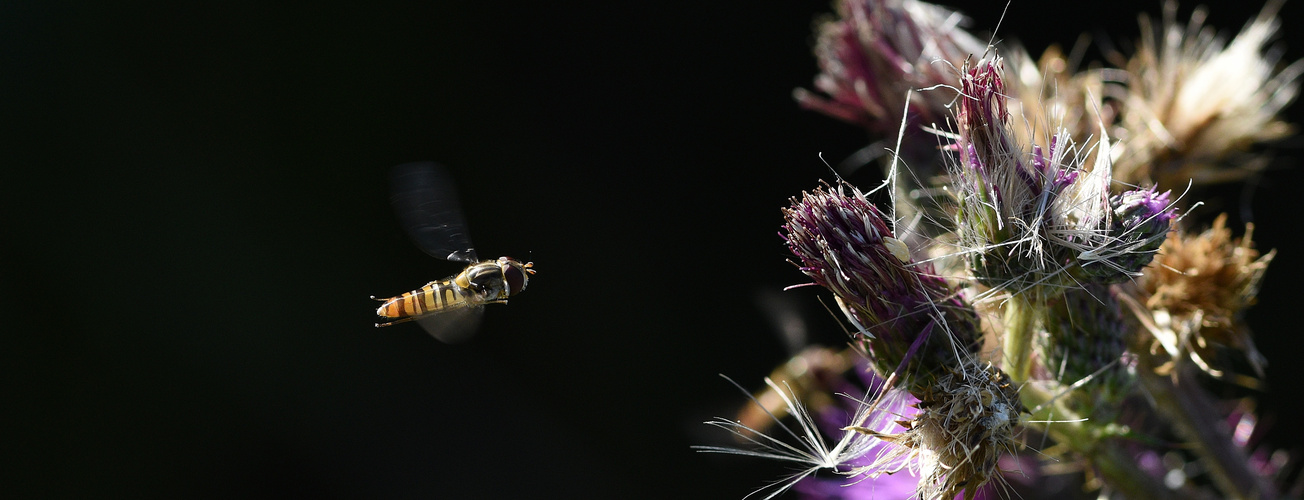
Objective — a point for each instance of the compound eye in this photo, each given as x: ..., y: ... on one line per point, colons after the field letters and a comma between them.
x: 516, y: 279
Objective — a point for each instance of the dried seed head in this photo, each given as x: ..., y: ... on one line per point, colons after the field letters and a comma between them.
x: 911, y: 322
x: 1196, y: 291
x: 1194, y: 100
x: 965, y: 423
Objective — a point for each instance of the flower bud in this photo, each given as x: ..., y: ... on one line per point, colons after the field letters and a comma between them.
x: 1085, y: 336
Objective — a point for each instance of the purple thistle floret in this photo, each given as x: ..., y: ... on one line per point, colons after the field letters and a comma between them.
x: 911, y: 322
x: 1143, y: 211
x: 989, y: 147
x: 1141, y: 222
x: 984, y: 106
x: 983, y: 116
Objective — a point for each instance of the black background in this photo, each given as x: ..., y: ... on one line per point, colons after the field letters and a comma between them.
x: 195, y: 211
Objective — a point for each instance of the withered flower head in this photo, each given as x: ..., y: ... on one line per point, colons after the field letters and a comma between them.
x: 911, y: 322
x: 965, y: 423
x: 1193, y: 100
x: 1196, y: 291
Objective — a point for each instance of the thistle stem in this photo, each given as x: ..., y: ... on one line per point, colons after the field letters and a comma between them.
x: 1020, y: 325
x: 1111, y: 462
x: 1120, y: 472
x: 1184, y: 403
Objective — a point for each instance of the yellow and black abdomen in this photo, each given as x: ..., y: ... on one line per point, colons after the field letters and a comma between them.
x: 436, y: 296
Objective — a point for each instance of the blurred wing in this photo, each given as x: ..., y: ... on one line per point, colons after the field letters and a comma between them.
x: 452, y: 326
x: 783, y: 311
x: 426, y: 203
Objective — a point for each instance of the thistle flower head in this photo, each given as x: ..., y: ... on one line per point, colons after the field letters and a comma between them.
x: 966, y: 421
x: 1140, y: 225
x: 1025, y: 212
x: 1195, y: 293
x: 1085, y: 338
x: 910, y: 320
x: 1193, y: 100
x: 877, y: 50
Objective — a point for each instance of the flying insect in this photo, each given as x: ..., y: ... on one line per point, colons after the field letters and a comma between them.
x: 449, y: 309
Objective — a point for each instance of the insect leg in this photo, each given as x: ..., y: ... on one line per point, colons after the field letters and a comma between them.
x: 395, y: 322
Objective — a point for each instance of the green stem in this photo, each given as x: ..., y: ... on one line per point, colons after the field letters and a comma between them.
x: 1089, y: 440
x: 1020, y: 325
x: 1111, y: 462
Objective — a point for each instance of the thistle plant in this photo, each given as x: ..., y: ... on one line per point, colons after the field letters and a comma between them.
x: 1062, y: 308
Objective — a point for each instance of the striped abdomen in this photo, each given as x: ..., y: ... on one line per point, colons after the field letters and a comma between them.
x: 434, y: 297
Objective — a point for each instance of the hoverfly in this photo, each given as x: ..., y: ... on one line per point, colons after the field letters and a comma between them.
x: 449, y: 309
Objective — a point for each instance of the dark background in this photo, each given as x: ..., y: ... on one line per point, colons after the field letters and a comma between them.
x: 195, y: 211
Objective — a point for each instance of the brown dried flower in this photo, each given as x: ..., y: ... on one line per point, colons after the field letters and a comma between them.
x: 1196, y: 291
x: 965, y: 422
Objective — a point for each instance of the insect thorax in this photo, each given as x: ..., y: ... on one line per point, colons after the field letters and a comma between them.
x: 484, y: 280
